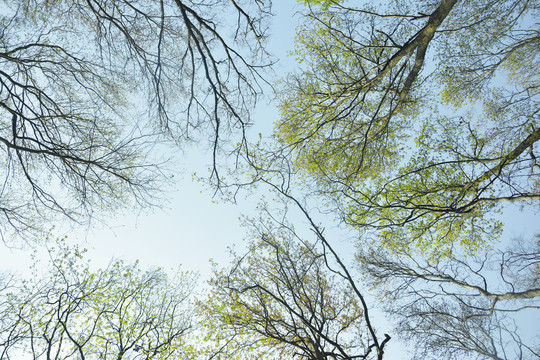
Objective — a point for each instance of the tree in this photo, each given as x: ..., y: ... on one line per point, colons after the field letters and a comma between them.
x: 466, y: 306
x: 74, y: 77
x: 117, y: 312
x: 284, y: 298
x: 366, y: 120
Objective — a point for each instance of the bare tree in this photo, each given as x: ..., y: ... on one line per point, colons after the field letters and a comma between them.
x: 83, y: 85
x: 117, y: 312
x: 461, y: 306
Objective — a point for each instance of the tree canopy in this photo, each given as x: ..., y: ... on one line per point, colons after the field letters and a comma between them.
x: 417, y: 120
x: 283, y: 298
x: 72, y: 311
x: 465, y: 306
x: 86, y: 86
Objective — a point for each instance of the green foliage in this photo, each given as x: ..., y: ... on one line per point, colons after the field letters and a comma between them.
x: 323, y: 4
x: 363, y: 125
x: 279, y: 298
x: 72, y: 311
x: 324, y: 119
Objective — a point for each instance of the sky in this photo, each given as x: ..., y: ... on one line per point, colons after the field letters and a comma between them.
x: 192, y: 228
